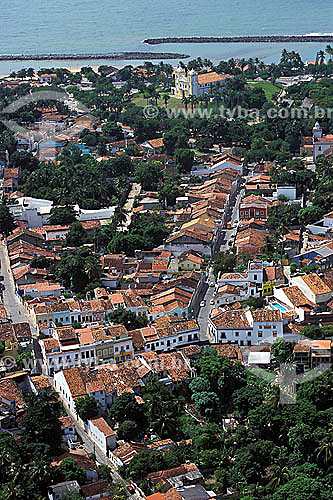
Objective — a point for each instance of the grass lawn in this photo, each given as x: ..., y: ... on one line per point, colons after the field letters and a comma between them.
x: 139, y: 100
x: 267, y: 87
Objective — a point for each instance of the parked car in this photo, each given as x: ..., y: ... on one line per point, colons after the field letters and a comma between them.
x: 212, y: 283
x: 202, y: 303
x: 130, y: 488
x: 212, y: 302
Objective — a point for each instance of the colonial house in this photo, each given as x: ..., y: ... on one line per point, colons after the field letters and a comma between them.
x: 245, y: 327
x: 254, y: 207
x: 315, y: 288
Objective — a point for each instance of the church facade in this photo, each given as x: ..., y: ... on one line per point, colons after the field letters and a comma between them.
x: 191, y: 83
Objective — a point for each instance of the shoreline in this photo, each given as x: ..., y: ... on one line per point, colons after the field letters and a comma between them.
x: 242, y: 39
x: 93, y: 57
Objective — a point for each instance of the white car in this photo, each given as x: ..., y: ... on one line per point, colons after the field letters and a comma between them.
x: 212, y: 283
x: 212, y: 302
x: 202, y: 303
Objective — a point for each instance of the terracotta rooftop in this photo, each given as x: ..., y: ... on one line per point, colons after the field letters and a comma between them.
x: 266, y: 316
x: 103, y: 426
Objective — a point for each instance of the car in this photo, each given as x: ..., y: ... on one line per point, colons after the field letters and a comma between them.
x: 212, y: 302
x: 202, y: 303
x: 130, y: 488
x: 2, y: 278
x: 212, y: 283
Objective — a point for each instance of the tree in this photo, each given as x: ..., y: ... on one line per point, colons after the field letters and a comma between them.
x: 324, y: 452
x: 184, y: 159
x: 255, y: 302
x: 118, y: 491
x: 247, y: 398
x: 162, y: 408
x: 70, y: 471
x: 2, y: 346
x: 282, y: 350
x: 86, y: 407
x: 79, y: 271
x: 124, y: 409
x: 301, y: 487
x: 6, y: 219
x: 76, y: 235
x: 224, y: 263
x: 40, y: 421
x: 310, y: 214
x: 40, y: 262
x: 148, y: 174
x: 129, y: 319
x: 127, y: 431
x: 62, y: 215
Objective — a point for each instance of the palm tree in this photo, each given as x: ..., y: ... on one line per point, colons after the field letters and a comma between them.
x: 320, y: 58
x: 325, y: 450
x: 329, y: 51
x: 156, y: 95
x: 277, y: 476
x: 166, y: 97
x: 185, y: 101
x: 119, y: 217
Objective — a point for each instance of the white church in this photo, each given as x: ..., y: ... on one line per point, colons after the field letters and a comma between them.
x: 321, y: 142
x: 191, y: 83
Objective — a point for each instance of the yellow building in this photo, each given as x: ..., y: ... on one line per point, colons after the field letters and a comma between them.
x: 191, y: 83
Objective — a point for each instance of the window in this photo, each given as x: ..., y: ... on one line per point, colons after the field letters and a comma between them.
x: 249, y: 334
x: 83, y: 355
x: 274, y: 334
x: 116, y: 349
x: 236, y: 334
x: 127, y: 347
x: 255, y: 277
x: 174, y: 340
x: 259, y: 334
x: 180, y: 338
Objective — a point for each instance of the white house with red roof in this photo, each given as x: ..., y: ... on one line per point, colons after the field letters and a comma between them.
x: 321, y: 142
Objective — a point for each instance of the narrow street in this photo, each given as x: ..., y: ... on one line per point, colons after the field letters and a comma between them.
x: 101, y: 458
x: 228, y: 235
x: 134, y: 192
x: 14, y: 308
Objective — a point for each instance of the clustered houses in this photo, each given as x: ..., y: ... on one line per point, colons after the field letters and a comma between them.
x: 246, y: 327
x: 65, y: 312
x: 17, y: 338
x: 166, y: 334
x: 308, y: 296
x: 101, y: 344
x: 106, y: 382
x: 89, y: 346
x: 209, y: 204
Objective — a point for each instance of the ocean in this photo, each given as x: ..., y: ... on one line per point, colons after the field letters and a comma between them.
x: 59, y: 26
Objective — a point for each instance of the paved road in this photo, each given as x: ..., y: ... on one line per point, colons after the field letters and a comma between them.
x: 100, y: 457
x: 134, y: 192
x: 227, y: 236
x: 14, y: 308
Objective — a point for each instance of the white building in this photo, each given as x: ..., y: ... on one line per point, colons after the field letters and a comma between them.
x: 321, y: 142
x: 245, y: 327
x: 313, y: 287
x: 191, y: 83
x: 101, y: 434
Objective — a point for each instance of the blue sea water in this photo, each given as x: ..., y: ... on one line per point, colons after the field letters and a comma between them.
x: 68, y: 26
